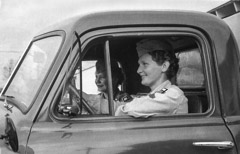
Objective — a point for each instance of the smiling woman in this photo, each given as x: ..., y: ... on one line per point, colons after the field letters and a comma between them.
x: 98, y: 102
x: 157, y: 66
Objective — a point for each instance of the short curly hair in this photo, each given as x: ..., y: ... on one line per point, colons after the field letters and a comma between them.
x: 116, y: 70
x: 160, y: 56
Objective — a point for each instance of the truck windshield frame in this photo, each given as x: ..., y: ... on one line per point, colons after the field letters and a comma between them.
x: 32, y: 69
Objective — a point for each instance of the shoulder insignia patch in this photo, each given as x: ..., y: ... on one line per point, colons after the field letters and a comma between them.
x: 162, y: 91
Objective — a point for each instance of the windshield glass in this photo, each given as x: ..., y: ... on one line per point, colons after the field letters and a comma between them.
x: 33, y: 69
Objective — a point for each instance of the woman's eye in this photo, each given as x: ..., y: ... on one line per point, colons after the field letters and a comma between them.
x: 102, y: 79
x: 145, y: 64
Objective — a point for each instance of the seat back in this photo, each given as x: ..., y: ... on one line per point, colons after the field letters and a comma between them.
x: 197, y: 101
x: 190, y: 79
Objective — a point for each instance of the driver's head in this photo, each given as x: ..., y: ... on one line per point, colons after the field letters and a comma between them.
x: 101, y: 75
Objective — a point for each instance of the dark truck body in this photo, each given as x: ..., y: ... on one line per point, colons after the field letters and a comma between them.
x: 213, y: 127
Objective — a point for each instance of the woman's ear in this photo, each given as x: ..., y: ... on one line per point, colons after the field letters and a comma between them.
x: 165, y: 66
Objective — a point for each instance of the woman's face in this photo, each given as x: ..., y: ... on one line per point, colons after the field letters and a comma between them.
x: 150, y: 72
x: 101, y: 81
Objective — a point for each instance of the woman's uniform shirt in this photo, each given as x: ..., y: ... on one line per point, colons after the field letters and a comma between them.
x: 166, y: 99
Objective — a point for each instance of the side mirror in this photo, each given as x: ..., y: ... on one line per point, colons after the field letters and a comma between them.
x: 10, y: 134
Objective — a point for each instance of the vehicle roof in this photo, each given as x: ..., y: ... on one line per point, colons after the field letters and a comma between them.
x: 85, y: 22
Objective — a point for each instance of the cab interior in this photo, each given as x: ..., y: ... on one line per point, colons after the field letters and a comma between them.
x: 190, y: 77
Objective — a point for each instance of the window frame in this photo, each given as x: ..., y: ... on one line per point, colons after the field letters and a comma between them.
x: 203, y: 44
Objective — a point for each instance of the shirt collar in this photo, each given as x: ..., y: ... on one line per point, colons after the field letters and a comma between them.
x: 165, y: 84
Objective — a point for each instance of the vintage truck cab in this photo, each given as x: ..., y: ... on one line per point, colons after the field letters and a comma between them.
x: 38, y: 104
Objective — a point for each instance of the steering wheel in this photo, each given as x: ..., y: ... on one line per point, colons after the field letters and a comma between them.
x: 82, y: 100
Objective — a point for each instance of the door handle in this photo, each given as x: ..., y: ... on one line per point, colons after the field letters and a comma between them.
x: 219, y: 145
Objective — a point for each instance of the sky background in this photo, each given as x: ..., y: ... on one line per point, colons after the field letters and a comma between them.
x: 21, y: 19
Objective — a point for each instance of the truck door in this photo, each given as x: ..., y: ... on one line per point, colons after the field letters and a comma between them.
x: 72, y: 125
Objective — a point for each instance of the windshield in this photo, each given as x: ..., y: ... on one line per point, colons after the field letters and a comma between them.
x: 33, y: 69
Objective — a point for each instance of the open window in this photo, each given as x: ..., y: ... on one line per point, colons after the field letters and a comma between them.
x: 90, y: 89
x: 190, y: 78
